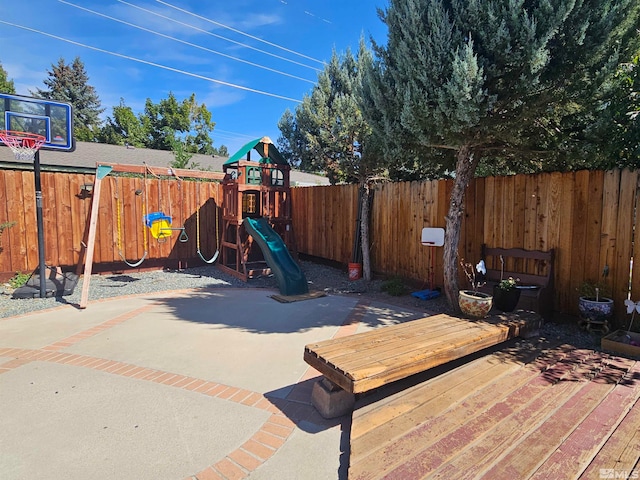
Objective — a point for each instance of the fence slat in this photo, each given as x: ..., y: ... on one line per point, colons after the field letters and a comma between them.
x: 588, y: 217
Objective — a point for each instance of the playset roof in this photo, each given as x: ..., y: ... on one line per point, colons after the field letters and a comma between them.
x: 258, y: 144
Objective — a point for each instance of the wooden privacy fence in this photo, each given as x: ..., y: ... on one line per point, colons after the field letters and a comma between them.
x: 588, y: 217
x: 66, y: 209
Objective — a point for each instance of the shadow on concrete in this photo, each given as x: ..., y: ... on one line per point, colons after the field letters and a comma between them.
x: 294, y: 401
x: 253, y: 310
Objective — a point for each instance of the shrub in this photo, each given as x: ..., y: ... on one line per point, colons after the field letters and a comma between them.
x: 19, y: 279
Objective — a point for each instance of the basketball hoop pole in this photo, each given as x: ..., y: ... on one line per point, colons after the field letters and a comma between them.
x: 26, y: 146
x: 40, y: 224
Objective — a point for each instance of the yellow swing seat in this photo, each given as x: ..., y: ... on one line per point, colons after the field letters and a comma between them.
x: 159, y: 225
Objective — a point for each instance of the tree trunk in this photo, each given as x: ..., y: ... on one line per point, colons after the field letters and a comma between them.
x: 364, y: 232
x: 465, y: 169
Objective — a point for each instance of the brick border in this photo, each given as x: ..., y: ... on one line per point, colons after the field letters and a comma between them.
x: 249, y: 456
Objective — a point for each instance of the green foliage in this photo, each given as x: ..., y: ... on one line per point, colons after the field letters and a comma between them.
x: 591, y: 289
x: 614, y: 134
x: 5, y: 225
x: 328, y: 132
x: 162, y: 126
x: 487, y: 79
x: 394, y: 287
x: 520, y: 85
x: 182, y: 157
x: 70, y: 83
x: 508, y: 283
x: 19, y: 279
x: 123, y: 128
x: 6, y: 85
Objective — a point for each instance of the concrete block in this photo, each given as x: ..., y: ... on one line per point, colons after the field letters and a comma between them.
x: 330, y: 400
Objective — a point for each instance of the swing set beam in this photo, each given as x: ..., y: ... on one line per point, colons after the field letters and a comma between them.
x: 163, y: 171
x: 102, y: 171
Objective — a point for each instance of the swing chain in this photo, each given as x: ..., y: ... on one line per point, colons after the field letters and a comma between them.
x: 119, y: 228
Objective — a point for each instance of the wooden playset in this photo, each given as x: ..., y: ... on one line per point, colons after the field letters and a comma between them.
x: 254, y: 189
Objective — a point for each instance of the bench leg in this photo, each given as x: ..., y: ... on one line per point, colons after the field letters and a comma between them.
x: 330, y: 400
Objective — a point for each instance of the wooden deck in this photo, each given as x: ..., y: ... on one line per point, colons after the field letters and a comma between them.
x: 364, y: 361
x: 533, y: 410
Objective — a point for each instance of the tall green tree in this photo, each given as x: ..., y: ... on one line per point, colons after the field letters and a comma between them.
x: 185, y: 127
x: 170, y: 119
x: 478, y: 79
x: 328, y: 132
x: 6, y: 85
x: 123, y: 127
x: 70, y: 83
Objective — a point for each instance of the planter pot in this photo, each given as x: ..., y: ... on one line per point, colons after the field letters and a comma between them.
x: 474, y: 304
x: 595, y: 312
x: 621, y: 341
x: 506, y: 300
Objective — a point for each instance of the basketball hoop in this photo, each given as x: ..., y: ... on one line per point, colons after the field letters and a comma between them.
x: 23, y: 144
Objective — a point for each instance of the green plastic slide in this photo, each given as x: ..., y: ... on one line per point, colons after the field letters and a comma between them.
x: 291, y: 278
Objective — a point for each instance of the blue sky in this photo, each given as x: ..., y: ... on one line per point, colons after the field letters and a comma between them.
x: 247, y: 60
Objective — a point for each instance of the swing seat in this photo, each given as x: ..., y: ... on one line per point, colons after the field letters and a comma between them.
x: 159, y: 224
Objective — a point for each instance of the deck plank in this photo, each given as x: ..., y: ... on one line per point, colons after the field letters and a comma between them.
x: 621, y: 452
x: 388, y: 418
x: 429, y: 445
x: 545, y: 429
x: 565, y: 414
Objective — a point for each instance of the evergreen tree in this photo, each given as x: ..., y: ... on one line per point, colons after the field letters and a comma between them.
x: 490, y: 78
x: 6, y: 85
x: 221, y: 151
x: 614, y: 133
x: 329, y: 133
x: 70, y: 84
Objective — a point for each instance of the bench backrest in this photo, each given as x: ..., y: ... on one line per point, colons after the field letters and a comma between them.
x: 532, y: 267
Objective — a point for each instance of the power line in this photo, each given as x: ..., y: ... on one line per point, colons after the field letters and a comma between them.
x: 228, y: 132
x: 157, y: 65
x: 240, y: 32
x: 185, y: 42
x: 219, y: 36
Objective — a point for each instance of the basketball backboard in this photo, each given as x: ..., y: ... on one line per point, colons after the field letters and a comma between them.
x: 53, y: 120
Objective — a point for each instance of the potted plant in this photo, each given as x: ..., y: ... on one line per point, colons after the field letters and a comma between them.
x: 506, y: 293
x: 594, y: 304
x: 473, y: 303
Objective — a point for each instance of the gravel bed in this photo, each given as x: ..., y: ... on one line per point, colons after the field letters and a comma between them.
x: 320, y: 277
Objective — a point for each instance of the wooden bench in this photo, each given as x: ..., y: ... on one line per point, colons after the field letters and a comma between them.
x: 365, y: 361
x: 533, y: 269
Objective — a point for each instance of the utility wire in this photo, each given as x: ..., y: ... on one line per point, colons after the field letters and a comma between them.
x: 202, y: 30
x: 249, y: 137
x: 240, y: 32
x: 185, y: 42
x: 164, y: 67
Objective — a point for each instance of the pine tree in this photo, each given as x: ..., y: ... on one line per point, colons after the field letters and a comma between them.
x: 6, y: 85
x: 70, y: 84
x: 328, y: 133
x: 490, y: 78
